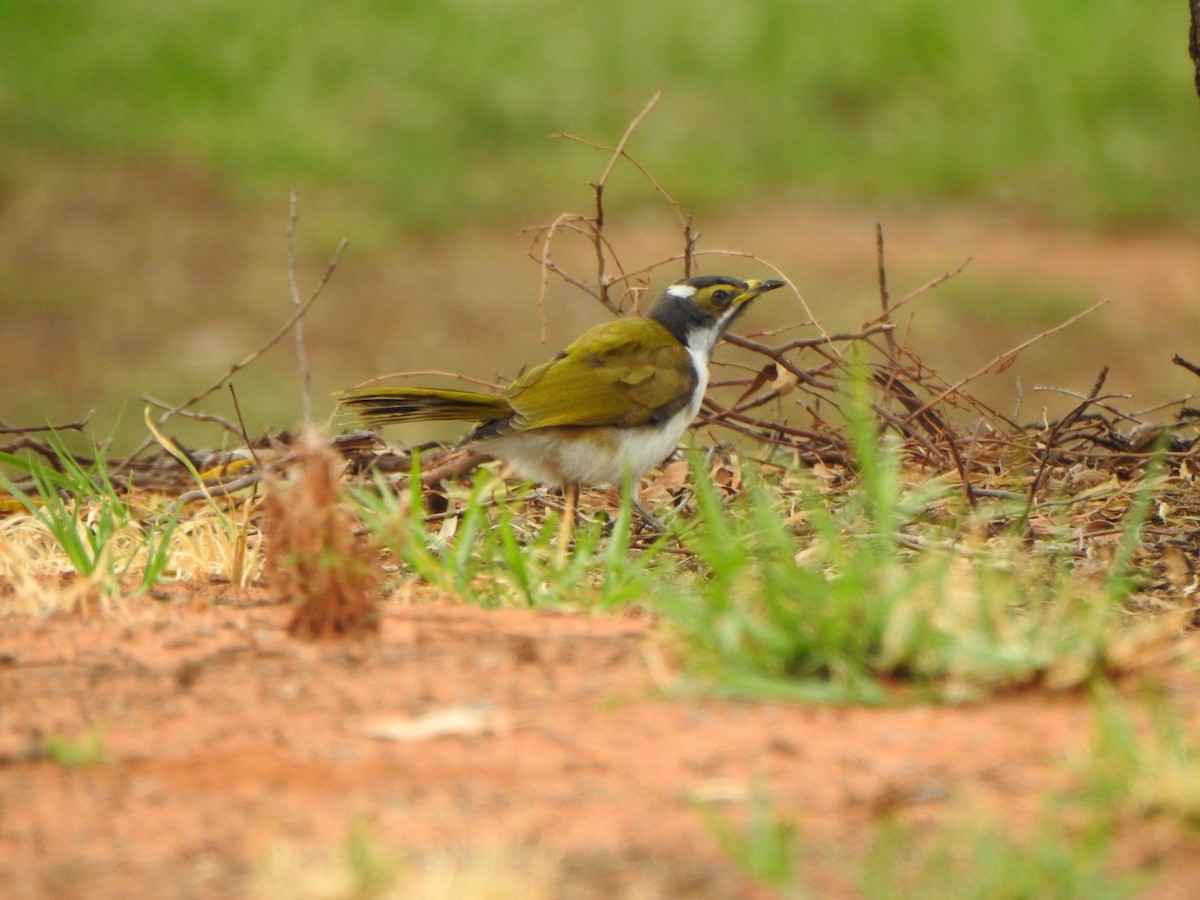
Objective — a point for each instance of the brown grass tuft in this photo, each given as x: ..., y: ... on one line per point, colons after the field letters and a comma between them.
x: 313, y: 556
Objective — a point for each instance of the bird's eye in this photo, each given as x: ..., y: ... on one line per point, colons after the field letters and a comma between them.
x: 721, y: 298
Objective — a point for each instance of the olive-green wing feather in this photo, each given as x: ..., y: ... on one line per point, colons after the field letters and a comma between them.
x: 624, y: 373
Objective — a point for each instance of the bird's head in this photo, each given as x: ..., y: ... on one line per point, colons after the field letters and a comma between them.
x: 699, y: 310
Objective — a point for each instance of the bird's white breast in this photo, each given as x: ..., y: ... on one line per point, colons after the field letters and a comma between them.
x: 605, y: 455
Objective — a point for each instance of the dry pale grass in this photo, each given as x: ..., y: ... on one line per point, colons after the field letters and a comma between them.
x: 37, y: 580
x: 364, y: 869
x: 208, y: 544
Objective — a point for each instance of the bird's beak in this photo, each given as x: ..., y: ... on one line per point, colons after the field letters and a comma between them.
x: 754, y: 287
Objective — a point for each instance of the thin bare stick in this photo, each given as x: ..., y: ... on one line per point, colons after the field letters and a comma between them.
x: 601, y: 279
x: 884, y: 299
x: 1185, y: 364
x: 690, y: 237
x: 34, y: 429
x: 1006, y: 358
x: 28, y: 443
x: 840, y: 337
x: 658, y: 188
x: 594, y: 229
x: 602, y: 247
x: 196, y: 416
x: 426, y: 373
x: 173, y: 411
x: 1079, y: 395
x: 301, y: 352
x: 218, y: 487
x: 619, y: 150
x: 1179, y: 401
x: 759, y: 333
x: 598, y: 187
x: 928, y: 286
x: 1194, y: 40
x: 271, y: 342
x: 1059, y: 427
x: 770, y: 353
x: 545, y: 235
x: 1098, y: 403
x: 237, y: 408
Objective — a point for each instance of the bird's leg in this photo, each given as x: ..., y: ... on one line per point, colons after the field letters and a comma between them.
x: 629, y: 491
x: 648, y: 518
x: 567, y: 523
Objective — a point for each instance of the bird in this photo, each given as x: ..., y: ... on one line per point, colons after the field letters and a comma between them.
x: 610, y: 406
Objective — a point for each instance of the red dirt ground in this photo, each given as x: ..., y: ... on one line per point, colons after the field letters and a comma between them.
x: 224, y: 738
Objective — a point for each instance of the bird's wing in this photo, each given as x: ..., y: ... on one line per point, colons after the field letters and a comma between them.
x: 624, y: 373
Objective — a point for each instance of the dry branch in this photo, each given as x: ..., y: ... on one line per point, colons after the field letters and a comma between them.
x: 267, y: 345
x: 1005, y: 359
x: 1194, y: 41
x: 37, y: 429
x: 294, y: 290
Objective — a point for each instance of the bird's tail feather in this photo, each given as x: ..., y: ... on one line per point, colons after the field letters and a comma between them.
x: 384, y: 406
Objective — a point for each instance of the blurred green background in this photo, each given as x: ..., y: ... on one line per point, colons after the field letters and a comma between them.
x: 149, y: 149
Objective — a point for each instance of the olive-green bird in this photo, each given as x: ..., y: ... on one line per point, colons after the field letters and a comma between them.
x: 612, y: 405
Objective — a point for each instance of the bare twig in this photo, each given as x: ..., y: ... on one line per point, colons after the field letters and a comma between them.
x: 690, y: 237
x: 598, y: 242
x: 1006, y: 358
x: 35, y: 429
x: 964, y: 475
x: 271, y: 342
x: 218, y: 487
x: 593, y: 228
x: 1194, y: 41
x: 177, y: 409
x: 840, y: 337
x: 1096, y: 402
x: 1179, y: 360
x: 631, y: 160
x: 293, y: 288
x: 894, y: 387
x: 426, y: 373
x: 1180, y: 401
x: 884, y: 298
x: 773, y: 354
x: 28, y: 443
x: 913, y: 295
x: 545, y: 236
x: 196, y: 416
x: 237, y: 408
x: 1059, y: 427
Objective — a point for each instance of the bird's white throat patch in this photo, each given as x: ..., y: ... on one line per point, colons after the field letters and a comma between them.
x: 700, y: 344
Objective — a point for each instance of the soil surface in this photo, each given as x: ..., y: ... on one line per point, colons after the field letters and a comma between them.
x: 457, y: 727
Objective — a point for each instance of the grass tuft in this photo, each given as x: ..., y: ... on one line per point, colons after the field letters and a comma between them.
x: 489, y: 549
x: 856, y: 598
x: 766, y: 846
x: 979, y: 859
x: 1144, y: 762
x: 94, y: 525
x: 72, y: 753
